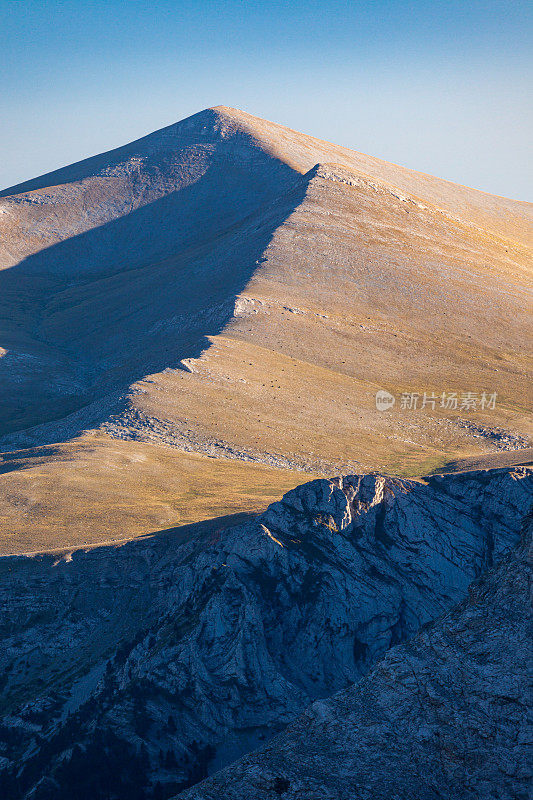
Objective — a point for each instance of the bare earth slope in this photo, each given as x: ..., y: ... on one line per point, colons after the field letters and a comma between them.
x: 231, y: 288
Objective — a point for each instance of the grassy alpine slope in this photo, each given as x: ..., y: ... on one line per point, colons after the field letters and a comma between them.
x: 238, y: 292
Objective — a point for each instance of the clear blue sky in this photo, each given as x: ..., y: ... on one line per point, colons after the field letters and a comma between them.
x: 441, y: 87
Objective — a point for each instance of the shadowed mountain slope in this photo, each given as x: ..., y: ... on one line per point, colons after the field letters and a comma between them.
x: 169, y: 657
x: 445, y: 716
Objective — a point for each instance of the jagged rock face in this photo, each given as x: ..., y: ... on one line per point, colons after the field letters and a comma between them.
x: 189, y: 653
x: 444, y: 716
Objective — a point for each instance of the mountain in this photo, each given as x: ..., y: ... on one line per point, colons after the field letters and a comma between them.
x: 234, y: 290
x: 135, y: 671
x: 444, y: 716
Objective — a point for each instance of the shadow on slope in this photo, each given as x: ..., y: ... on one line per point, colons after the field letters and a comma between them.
x: 91, y: 314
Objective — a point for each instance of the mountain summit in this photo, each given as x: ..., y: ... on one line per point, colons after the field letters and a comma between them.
x: 229, y: 287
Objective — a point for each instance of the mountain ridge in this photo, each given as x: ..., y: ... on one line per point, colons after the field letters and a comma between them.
x: 187, y: 324
x: 226, y: 120
x: 232, y: 288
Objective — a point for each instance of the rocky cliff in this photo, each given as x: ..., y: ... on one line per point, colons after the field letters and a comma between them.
x: 136, y: 671
x: 445, y: 716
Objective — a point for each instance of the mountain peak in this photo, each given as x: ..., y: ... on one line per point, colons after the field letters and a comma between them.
x: 303, y: 257
x: 227, y: 110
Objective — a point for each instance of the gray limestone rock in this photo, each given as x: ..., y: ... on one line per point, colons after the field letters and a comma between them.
x: 192, y: 651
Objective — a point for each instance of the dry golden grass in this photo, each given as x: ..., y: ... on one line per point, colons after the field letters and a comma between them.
x: 356, y: 294
x: 95, y: 489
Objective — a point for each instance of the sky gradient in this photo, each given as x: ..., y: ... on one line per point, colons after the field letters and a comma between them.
x: 441, y: 87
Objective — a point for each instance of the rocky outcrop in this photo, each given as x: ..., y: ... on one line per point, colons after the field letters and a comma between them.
x: 445, y: 716
x: 177, y: 655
